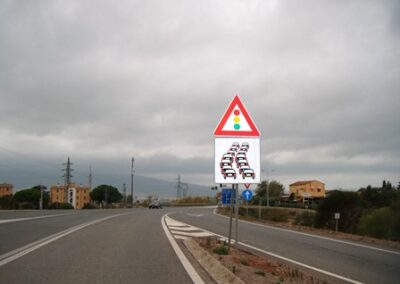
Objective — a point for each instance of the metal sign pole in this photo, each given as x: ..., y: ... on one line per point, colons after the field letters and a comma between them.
x: 230, y: 219
x: 237, y: 214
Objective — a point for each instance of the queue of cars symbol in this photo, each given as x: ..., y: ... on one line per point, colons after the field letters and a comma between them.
x: 236, y: 153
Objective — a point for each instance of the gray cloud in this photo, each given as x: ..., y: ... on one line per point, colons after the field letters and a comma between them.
x: 151, y: 79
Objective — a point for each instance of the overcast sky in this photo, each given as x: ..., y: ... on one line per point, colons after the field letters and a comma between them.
x: 101, y: 81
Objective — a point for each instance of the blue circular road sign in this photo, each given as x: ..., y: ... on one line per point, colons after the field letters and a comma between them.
x: 247, y: 194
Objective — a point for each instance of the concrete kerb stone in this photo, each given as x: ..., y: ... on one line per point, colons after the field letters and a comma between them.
x: 214, y: 268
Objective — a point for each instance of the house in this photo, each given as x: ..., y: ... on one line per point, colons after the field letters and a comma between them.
x: 78, y: 195
x: 307, y: 189
x: 6, y: 189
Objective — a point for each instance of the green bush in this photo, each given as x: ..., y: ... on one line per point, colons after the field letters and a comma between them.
x: 271, y: 214
x: 348, y: 204
x: 306, y: 218
x: 221, y: 250
x: 89, y: 206
x: 8, y: 202
x: 381, y: 223
x: 57, y: 205
x: 27, y: 205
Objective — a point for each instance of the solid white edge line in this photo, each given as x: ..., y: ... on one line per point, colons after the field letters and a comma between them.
x: 185, y: 262
x: 289, y: 260
x: 313, y: 236
x: 17, y: 253
x: 31, y: 218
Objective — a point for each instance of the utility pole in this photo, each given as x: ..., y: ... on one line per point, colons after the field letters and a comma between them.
x: 90, y: 177
x: 178, y: 189
x: 124, y: 192
x: 41, y: 196
x: 133, y: 160
x: 68, y: 176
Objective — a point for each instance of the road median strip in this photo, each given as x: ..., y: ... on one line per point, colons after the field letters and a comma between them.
x: 287, y: 260
x: 213, y: 267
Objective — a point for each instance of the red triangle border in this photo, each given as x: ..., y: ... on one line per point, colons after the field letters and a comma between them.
x: 232, y: 133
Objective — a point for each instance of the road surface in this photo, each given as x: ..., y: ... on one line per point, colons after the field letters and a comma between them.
x: 365, y: 264
x: 129, y: 248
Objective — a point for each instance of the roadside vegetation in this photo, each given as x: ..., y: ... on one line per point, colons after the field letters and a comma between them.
x: 193, y: 201
x: 370, y: 211
x: 25, y: 199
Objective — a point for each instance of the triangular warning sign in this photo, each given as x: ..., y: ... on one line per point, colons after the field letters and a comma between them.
x: 236, y: 121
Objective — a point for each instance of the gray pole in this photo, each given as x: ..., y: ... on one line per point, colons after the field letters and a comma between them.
x: 133, y: 160
x: 267, y: 193
x: 41, y: 197
x: 230, y: 219
x: 237, y: 214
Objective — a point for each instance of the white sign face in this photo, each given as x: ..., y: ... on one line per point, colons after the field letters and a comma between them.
x: 237, y: 160
x: 72, y: 196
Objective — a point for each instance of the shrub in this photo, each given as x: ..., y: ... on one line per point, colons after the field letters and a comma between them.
x: 89, y: 206
x: 221, y: 250
x: 306, y: 218
x: 57, y: 205
x: 260, y: 272
x: 348, y: 204
x: 381, y: 223
x: 8, y: 202
x: 26, y: 205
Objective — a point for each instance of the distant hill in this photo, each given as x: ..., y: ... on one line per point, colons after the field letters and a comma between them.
x: 142, y: 186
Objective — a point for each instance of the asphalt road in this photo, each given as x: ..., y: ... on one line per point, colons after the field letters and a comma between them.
x: 363, y: 264
x: 129, y: 248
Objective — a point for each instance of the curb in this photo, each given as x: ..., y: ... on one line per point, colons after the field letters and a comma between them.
x: 214, y: 268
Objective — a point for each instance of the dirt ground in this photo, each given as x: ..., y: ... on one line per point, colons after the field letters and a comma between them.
x: 255, y: 269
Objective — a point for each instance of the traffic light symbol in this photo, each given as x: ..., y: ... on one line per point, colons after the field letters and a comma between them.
x: 236, y: 119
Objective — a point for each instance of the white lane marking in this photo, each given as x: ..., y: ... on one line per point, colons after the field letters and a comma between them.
x: 181, y: 238
x: 19, y: 252
x: 179, y: 229
x: 314, y: 236
x: 172, y: 222
x: 186, y: 264
x: 288, y: 259
x: 186, y: 229
x: 31, y: 218
x: 192, y: 234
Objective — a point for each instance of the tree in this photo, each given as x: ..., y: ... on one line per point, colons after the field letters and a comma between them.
x: 379, y: 197
x: 275, y: 189
x: 31, y: 197
x: 350, y: 206
x: 106, y: 193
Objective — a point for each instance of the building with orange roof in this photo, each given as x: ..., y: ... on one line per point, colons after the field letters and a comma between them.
x: 6, y: 189
x: 307, y: 189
